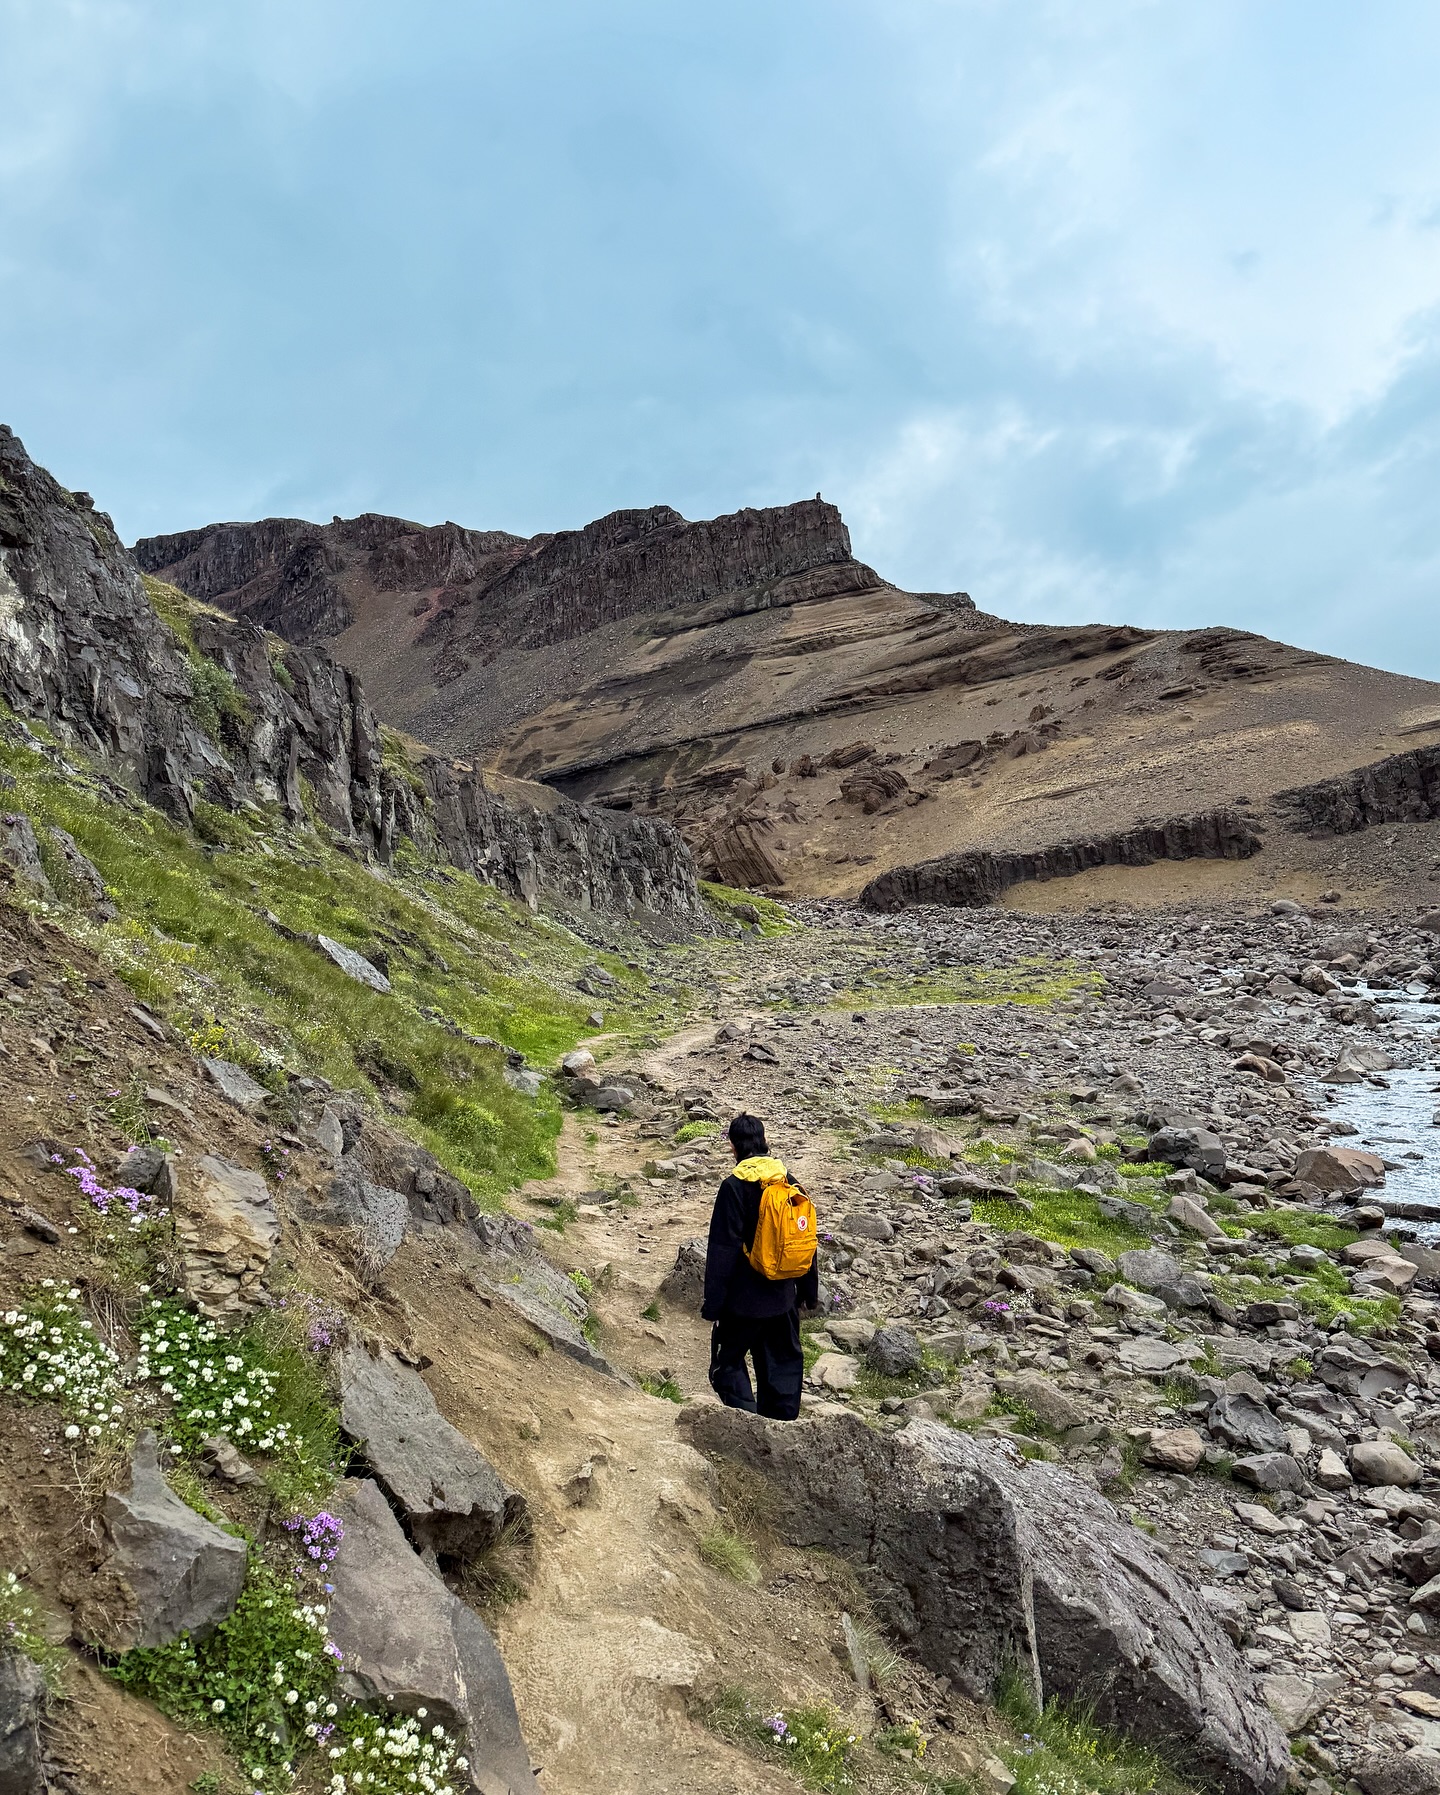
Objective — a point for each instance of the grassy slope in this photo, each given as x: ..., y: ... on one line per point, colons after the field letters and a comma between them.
x: 193, y: 941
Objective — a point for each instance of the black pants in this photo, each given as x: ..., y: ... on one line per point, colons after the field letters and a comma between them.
x: 773, y: 1342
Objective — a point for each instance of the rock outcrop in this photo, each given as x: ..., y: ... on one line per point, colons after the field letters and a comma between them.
x: 980, y: 1561
x: 183, y: 1572
x: 980, y: 877
x: 449, y: 1497
x: 408, y: 1643
x: 201, y: 707
x: 1402, y: 788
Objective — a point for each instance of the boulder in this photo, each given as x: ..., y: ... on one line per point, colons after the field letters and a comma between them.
x: 1341, y: 1169
x: 1175, y: 1449
x: 1187, y: 1214
x: 867, y: 1227
x: 684, y: 1283
x: 1197, y: 1148
x: 183, y: 1572
x: 1331, y: 1471
x: 1155, y: 1271
x: 1241, y: 1421
x: 22, y: 1699
x: 1147, y: 1356
x: 378, y: 1215
x: 835, y: 1371
x: 1397, y: 1772
x: 978, y: 1561
x: 407, y: 1643
x: 78, y: 877
x: 894, y: 1352
x: 447, y: 1494
x: 227, y: 1230
x: 613, y: 1099
x: 1355, y: 1368
x: 854, y: 1332
x: 1294, y: 1701
x: 1269, y: 1471
x: 1045, y: 1400
x: 1383, y: 1462
x: 20, y: 851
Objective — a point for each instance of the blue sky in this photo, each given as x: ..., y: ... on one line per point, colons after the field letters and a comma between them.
x: 1111, y: 310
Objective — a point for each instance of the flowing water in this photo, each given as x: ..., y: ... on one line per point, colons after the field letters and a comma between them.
x: 1399, y: 1123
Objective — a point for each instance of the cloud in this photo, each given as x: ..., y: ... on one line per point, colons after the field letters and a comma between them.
x: 1108, y: 310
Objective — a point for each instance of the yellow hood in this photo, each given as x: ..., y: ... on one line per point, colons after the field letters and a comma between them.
x: 760, y: 1170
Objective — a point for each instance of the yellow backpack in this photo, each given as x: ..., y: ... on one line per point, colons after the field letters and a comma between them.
x: 785, y: 1234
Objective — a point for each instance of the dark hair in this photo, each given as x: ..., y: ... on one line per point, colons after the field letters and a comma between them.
x: 747, y: 1135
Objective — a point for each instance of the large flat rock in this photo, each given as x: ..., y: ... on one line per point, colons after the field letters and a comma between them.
x: 981, y: 1560
x: 446, y: 1492
x: 408, y: 1643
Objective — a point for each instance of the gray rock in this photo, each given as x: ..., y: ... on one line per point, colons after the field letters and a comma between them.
x: 1045, y: 1400
x: 22, y: 1700
x: 1294, y: 1701
x: 1396, y: 1772
x: 1119, y: 1209
x: 150, y: 1170
x: 20, y: 851
x: 613, y: 1099
x: 1154, y: 1270
x: 223, y: 1460
x: 1147, y: 1356
x: 379, y: 1215
x: 80, y: 877
x: 353, y: 965
x: 227, y: 1230
x: 1197, y: 1148
x: 408, y: 1643
x: 684, y: 1283
x: 184, y: 1573
x: 894, y: 1352
x: 236, y: 1084
x: 1093, y: 1260
x: 1379, y: 1462
x: 449, y: 1497
x: 1225, y: 1564
x: 1354, y: 1367
x: 1243, y: 1422
x: 867, y: 1227
x: 978, y: 1561
x: 524, y: 1079
x: 1270, y: 1471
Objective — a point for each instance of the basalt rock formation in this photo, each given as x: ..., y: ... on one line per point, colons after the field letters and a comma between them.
x: 209, y: 708
x: 979, y: 878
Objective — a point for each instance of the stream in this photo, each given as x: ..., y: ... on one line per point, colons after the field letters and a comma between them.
x: 1399, y: 1123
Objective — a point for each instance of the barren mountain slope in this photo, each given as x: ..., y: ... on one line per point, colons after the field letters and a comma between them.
x: 807, y: 724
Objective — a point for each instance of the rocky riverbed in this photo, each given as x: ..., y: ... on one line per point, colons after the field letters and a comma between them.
x: 1109, y: 1188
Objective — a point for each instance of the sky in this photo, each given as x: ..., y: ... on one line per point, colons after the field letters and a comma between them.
x: 1113, y: 310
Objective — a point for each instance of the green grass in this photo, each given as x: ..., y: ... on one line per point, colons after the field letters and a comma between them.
x: 724, y: 1550
x: 1062, y: 1751
x: 812, y: 1743
x: 724, y: 899
x: 1029, y: 981
x: 1303, y: 1228
x: 1322, y: 1294
x: 193, y: 941
x: 664, y: 1387
x: 1066, y: 1216
x: 695, y: 1131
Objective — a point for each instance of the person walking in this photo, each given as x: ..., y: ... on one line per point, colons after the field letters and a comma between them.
x: 756, y: 1313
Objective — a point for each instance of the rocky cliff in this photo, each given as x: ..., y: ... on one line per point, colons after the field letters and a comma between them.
x: 731, y: 675
x: 195, y: 706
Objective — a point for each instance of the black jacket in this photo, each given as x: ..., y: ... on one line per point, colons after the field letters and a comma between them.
x: 732, y: 1284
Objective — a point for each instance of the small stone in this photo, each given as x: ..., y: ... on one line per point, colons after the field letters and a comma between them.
x: 1294, y: 1701
x: 835, y: 1371
x: 1309, y: 1627
x: 1331, y: 1471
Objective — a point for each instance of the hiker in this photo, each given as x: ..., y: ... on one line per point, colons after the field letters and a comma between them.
x: 760, y: 1269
